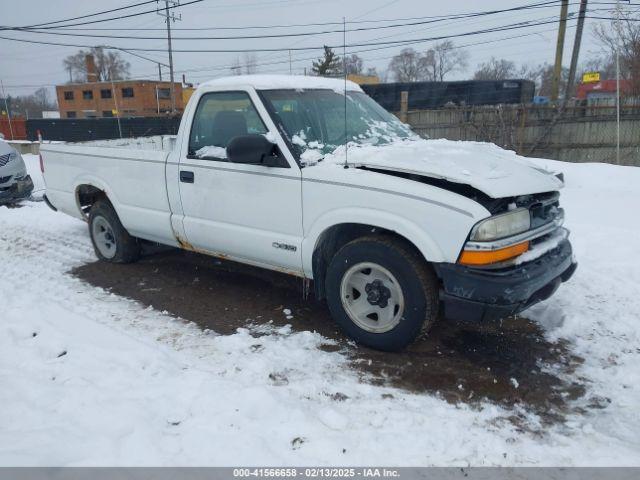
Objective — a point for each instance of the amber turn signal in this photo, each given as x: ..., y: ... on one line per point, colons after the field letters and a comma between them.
x: 487, y: 257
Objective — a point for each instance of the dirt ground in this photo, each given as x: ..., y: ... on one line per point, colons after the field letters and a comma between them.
x: 508, y: 363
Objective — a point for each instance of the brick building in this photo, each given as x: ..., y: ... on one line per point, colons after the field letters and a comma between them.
x: 131, y: 98
x: 128, y: 98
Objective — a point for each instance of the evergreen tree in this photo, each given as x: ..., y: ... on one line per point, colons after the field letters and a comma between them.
x: 330, y: 65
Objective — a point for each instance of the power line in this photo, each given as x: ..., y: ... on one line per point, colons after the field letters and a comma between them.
x: 316, y: 24
x: 225, y: 67
x: 299, y: 25
x: 306, y: 59
x: 110, y: 18
x: 295, y: 34
x: 390, y: 44
x: 92, y: 14
x: 513, y: 26
x: 143, y: 57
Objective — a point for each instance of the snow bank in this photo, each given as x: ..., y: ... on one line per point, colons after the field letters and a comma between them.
x: 598, y: 310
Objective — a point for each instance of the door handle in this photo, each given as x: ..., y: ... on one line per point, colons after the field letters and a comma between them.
x: 186, y: 176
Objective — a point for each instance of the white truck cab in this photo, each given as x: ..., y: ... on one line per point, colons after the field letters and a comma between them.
x: 311, y: 177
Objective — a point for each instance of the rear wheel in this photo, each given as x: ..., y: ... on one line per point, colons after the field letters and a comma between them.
x: 381, y: 292
x: 111, y: 242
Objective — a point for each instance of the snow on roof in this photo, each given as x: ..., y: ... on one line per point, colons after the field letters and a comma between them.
x: 267, y: 82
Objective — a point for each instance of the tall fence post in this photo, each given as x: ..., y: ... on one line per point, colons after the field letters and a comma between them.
x: 523, y: 122
x: 404, y: 106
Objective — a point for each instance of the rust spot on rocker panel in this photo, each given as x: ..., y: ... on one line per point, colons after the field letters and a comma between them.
x: 185, y: 245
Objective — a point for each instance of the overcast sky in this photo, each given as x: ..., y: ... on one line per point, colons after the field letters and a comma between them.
x: 25, y: 67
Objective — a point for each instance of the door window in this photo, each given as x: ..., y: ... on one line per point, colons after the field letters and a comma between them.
x: 220, y: 117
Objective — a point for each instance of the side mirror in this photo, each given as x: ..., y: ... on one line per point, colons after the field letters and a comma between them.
x: 252, y: 149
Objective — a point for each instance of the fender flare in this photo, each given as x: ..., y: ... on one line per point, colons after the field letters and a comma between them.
x: 375, y: 218
x: 97, y: 183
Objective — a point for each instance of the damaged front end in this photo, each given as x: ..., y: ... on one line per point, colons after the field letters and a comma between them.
x: 501, y: 272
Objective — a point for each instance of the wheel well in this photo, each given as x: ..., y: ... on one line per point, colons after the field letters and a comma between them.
x: 334, y: 238
x: 87, y: 196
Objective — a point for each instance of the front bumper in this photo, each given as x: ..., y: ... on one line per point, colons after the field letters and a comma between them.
x: 474, y: 294
x: 20, y: 189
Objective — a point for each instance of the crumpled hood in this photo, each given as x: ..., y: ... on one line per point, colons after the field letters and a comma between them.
x: 496, y: 172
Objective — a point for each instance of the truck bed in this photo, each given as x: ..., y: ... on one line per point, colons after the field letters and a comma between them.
x: 130, y: 171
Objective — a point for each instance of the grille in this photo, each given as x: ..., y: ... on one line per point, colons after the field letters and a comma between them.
x: 4, y: 159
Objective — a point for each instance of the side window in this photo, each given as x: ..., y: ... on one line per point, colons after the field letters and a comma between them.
x: 221, y: 116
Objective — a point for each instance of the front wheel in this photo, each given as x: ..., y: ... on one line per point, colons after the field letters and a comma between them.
x: 381, y: 292
x: 111, y: 242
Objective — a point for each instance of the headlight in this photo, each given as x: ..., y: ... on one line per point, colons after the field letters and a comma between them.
x: 501, y: 226
x: 14, y: 155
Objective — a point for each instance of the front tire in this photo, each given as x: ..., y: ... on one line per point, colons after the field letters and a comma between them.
x: 381, y: 292
x: 111, y: 242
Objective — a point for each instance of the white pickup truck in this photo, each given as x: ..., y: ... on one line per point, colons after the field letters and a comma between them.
x: 311, y: 177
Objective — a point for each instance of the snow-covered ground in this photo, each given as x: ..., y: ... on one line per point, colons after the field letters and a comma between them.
x: 89, y: 378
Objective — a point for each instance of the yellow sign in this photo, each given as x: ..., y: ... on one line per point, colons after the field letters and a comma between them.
x: 591, y: 77
x: 114, y: 112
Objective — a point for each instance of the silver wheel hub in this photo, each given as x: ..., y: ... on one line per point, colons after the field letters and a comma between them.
x: 103, y: 237
x: 372, y: 297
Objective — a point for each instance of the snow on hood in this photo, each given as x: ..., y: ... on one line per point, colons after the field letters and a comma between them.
x: 496, y: 172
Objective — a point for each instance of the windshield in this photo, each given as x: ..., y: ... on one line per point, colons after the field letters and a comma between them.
x: 314, y: 121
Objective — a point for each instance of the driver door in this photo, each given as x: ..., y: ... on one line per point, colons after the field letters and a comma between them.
x: 252, y: 213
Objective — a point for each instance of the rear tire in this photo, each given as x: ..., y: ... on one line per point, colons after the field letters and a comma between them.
x: 381, y: 292
x: 111, y: 242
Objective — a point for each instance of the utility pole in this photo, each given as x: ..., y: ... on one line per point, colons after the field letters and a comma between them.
x: 618, y: 82
x: 6, y: 106
x: 159, y: 72
x: 557, y: 69
x: 115, y: 102
x: 169, y: 17
x: 576, y: 50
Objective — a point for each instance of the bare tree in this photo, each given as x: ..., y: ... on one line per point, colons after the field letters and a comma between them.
x: 109, y: 65
x: 623, y: 36
x: 495, y: 69
x: 330, y: 65
x: 542, y: 75
x: 354, y: 64
x: 444, y: 58
x: 407, y: 66
x: 32, y: 106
